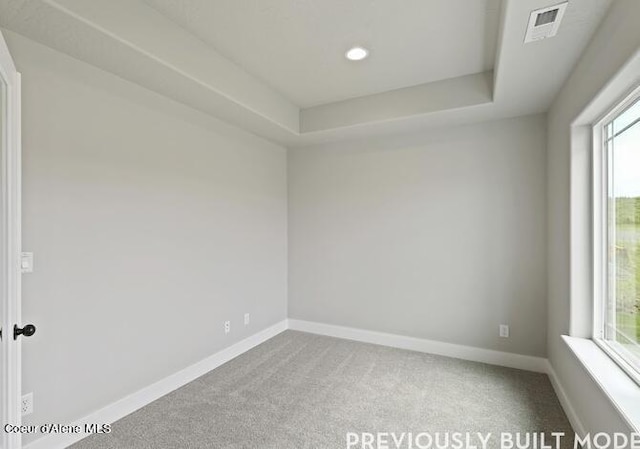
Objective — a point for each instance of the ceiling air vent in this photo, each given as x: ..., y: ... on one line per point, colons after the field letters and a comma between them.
x: 544, y: 22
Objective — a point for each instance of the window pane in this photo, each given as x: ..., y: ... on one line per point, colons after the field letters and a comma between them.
x: 622, y: 311
x: 626, y: 118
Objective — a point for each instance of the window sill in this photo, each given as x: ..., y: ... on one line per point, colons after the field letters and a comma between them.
x: 621, y: 390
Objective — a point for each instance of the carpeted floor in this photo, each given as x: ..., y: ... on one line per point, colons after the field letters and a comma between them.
x: 300, y: 390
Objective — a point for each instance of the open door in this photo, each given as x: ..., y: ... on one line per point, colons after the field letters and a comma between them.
x: 10, y: 248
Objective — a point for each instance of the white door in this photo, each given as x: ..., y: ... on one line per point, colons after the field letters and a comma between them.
x: 10, y: 250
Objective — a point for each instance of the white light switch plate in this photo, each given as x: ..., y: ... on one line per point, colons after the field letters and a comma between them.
x: 26, y: 263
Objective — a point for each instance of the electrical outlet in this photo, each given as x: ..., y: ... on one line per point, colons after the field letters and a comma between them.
x: 227, y: 327
x: 504, y: 331
x: 247, y: 319
x: 27, y: 404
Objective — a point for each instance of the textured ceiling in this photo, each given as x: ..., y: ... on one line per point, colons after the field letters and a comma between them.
x: 297, y: 46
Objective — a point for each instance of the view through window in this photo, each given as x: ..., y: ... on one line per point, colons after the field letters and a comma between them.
x: 621, y: 314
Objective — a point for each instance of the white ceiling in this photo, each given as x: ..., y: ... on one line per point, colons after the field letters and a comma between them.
x: 276, y: 67
x: 298, y: 46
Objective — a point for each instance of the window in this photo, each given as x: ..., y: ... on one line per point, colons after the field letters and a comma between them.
x: 617, y: 234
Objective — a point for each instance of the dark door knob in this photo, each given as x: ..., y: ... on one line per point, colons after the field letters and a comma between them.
x: 27, y: 331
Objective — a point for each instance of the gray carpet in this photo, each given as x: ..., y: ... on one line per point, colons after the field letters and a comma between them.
x: 300, y: 390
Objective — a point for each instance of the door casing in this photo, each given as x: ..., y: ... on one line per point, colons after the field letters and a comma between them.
x: 10, y: 245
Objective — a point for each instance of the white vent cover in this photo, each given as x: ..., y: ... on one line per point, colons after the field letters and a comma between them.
x: 544, y: 22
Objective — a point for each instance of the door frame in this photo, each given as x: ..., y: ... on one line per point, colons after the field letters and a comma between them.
x: 11, y: 247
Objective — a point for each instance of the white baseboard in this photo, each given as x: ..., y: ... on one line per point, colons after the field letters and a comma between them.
x: 575, y: 421
x: 508, y: 359
x: 139, y: 399
x: 525, y: 362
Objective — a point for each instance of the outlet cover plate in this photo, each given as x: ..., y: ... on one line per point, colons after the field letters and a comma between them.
x: 27, y: 404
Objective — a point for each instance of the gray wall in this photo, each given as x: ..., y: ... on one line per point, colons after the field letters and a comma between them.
x: 151, y: 224
x: 616, y: 40
x: 436, y: 235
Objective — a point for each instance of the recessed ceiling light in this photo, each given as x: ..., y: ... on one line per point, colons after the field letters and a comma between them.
x: 357, y: 54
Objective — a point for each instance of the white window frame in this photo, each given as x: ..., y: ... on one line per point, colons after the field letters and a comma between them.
x: 600, y: 180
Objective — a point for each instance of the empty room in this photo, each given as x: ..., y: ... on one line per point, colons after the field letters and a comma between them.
x: 320, y: 224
